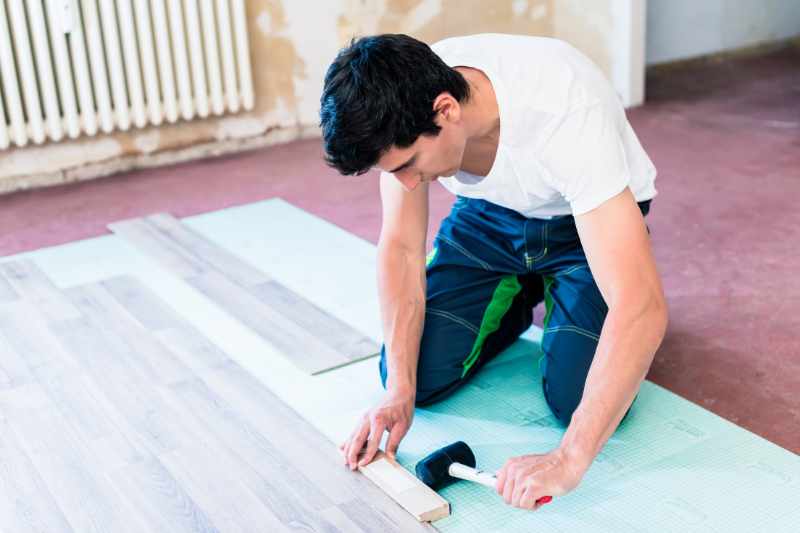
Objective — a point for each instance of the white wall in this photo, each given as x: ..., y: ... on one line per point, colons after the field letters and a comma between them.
x: 681, y: 29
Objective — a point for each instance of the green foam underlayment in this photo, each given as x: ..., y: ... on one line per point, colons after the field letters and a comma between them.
x: 671, y: 465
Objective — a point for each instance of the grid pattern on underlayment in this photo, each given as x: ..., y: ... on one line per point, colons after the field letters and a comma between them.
x: 671, y: 466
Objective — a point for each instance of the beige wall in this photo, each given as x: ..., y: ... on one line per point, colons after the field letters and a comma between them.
x: 292, y: 43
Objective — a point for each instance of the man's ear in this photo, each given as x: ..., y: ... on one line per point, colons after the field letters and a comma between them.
x: 447, y: 107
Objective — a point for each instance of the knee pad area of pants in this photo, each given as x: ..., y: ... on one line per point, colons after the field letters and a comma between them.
x: 562, y: 404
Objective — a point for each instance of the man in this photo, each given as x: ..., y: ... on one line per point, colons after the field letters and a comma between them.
x: 552, y: 186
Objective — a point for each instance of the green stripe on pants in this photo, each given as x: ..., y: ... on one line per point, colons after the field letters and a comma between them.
x: 501, y: 301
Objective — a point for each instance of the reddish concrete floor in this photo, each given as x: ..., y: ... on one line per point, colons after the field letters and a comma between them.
x: 726, y: 140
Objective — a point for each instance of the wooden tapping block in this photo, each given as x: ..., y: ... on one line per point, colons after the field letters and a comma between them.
x: 404, y: 488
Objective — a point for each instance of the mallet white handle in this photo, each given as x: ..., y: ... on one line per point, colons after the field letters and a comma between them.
x: 471, y: 474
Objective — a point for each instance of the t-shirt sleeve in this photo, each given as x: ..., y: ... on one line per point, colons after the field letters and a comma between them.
x: 586, y: 159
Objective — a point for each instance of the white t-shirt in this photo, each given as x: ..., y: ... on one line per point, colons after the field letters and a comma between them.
x: 565, y: 144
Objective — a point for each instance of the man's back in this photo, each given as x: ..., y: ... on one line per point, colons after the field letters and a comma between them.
x: 565, y: 143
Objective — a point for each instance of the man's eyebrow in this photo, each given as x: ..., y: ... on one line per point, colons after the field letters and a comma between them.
x: 406, y: 164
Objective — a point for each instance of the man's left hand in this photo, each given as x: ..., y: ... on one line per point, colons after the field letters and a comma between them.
x: 525, y: 479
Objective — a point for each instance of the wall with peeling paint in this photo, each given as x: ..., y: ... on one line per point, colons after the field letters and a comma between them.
x: 292, y: 42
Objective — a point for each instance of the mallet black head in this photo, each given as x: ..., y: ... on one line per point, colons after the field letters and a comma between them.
x: 433, y: 470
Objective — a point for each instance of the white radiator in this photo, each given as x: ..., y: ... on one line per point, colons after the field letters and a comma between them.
x: 76, y: 67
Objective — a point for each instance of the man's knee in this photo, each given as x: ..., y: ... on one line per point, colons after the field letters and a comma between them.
x: 563, y: 403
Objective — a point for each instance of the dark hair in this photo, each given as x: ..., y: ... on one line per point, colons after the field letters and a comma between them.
x: 379, y: 93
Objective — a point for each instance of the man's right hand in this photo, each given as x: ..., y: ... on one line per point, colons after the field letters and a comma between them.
x: 394, y: 414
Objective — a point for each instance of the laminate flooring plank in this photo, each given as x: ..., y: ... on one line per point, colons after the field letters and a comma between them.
x: 274, y: 491
x: 65, y: 463
x: 26, y: 503
x: 154, y: 242
x: 31, y: 283
x: 142, y: 303
x: 207, y: 251
x: 88, y: 412
x: 143, y: 350
x: 220, y: 491
x: 285, y: 429
x: 114, y: 451
x: 340, y: 336
x: 23, y: 330
x: 300, y: 346
x: 256, y: 449
x: 336, y: 517
x: 369, y: 518
x: 304, y: 445
x: 170, y: 330
x: 64, y: 378
x: 160, y: 499
x: 13, y: 369
x: 7, y: 292
x: 127, y: 389
x: 191, y: 347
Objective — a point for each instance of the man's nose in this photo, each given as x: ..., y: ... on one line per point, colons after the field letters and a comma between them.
x: 409, y: 181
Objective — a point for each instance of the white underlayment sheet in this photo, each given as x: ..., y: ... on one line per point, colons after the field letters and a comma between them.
x: 672, y: 466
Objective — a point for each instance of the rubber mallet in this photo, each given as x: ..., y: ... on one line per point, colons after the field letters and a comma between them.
x: 452, y: 462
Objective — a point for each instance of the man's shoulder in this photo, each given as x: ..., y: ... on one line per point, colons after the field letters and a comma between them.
x: 482, y: 43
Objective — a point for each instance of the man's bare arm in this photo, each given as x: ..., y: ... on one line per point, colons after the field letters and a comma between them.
x: 617, y: 246
x: 401, y: 289
x: 401, y: 278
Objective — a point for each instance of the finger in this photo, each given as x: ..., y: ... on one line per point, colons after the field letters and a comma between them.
x: 374, y: 441
x: 516, y: 496
x: 349, y: 442
x: 502, y: 475
x: 528, y: 499
x: 395, y: 436
x: 508, y: 489
x: 355, y: 446
x: 346, y: 449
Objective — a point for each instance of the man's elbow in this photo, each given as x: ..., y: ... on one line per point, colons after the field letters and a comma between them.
x: 660, y: 313
x: 645, y: 309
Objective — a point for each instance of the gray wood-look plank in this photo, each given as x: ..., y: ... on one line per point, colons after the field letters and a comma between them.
x: 23, y: 331
x: 221, y: 490
x: 304, y: 445
x: 114, y: 423
x: 310, y: 337
x: 31, y: 283
x: 160, y: 498
x: 352, y: 344
x: 154, y: 359
x: 26, y: 503
x: 148, y: 309
x: 274, y: 482
x: 304, y: 349
x: 137, y: 398
x: 151, y: 240
x: 207, y: 252
x: 191, y: 347
x: 65, y: 463
x: 13, y: 369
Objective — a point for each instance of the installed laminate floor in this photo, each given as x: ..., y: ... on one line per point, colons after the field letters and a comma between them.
x: 117, y: 415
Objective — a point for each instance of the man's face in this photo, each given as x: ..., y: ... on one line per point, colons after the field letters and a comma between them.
x: 429, y: 157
